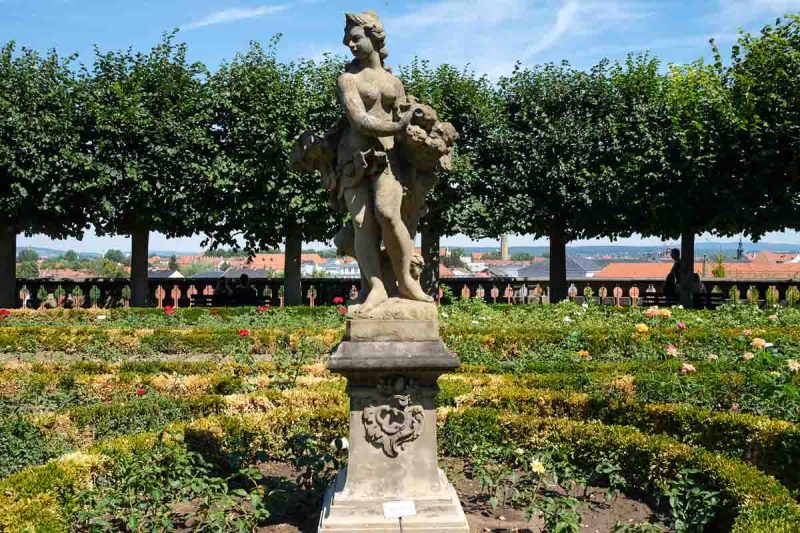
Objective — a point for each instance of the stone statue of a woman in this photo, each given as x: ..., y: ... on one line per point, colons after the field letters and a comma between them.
x: 378, y: 162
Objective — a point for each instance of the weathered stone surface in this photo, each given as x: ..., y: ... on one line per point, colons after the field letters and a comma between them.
x: 439, y: 512
x: 396, y: 320
x: 392, y: 454
x: 355, y: 358
x: 396, y: 309
x: 378, y: 164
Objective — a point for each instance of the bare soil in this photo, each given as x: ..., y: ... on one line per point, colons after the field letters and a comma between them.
x: 598, y: 515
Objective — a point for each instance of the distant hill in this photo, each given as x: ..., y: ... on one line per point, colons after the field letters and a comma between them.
x: 53, y: 252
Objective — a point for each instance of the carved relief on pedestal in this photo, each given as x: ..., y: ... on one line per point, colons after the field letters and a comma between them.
x: 392, y: 419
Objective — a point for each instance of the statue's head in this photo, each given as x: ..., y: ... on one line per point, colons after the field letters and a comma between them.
x: 364, y: 34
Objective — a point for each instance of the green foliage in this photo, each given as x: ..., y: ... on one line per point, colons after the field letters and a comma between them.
x: 148, y: 413
x: 746, y: 496
x: 44, y: 185
x: 27, y: 254
x: 555, y: 148
x: 113, y: 255
x: 753, y: 295
x: 27, y: 269
x: 262, y: 106
x: 149, y: 123
x: 792, y: 296
x: 692, y: 507
x: 718, y: 270
x: 734, y: 295
x: 772, y: 297
x: 764, y: 72
x: 141, y: 492
x: 467, y: 100
x: 21, y: 444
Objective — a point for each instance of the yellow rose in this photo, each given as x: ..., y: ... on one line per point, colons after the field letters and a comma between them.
x: 642, y: 328
x: 537, y: 467
x: 759, y: 343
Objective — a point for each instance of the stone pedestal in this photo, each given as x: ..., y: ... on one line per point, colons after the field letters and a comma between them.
x: 392, y: 441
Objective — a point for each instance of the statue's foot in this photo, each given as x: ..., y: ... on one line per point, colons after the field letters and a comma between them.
x: 413, y: 291
x: 376, y: 296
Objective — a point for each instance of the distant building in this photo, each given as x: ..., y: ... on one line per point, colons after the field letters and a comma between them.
x: 577, y: 267
x: 509, y: 270
x: 733, y: 270
x: 252, y: 273
x: 65, y: 273
x: 340, y: 267
x: 164, y: 274
x: 209, y: 274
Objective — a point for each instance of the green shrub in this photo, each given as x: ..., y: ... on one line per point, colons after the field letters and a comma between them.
x: 772, y: 446
x: 748, y: 498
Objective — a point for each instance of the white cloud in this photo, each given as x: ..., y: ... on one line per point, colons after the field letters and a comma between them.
x: 736, y: 13
x: 565, y: 20
x: 491, y: 35
x: 234, y: 14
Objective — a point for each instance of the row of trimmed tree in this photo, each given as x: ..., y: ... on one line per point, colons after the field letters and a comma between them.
x: 143, y: 142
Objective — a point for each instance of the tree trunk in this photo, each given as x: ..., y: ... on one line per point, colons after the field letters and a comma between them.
x: 558, y: 264
x: 687, y: 269
x: 430, y: 254
x: 8, y: 267
x: 140, y: 293
x: 293, y: 291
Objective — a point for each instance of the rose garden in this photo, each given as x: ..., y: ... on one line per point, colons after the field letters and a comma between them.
x: 562, y: 417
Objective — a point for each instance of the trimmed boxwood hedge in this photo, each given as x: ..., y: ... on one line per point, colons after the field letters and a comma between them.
x: 750, y: 500
x: 500, y: 347
x: 771, y: 445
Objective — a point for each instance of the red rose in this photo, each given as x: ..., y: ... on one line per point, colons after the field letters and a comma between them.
x: 4, y: 312
x: 341, y: 310
x: 169, y: 310
x: 263, y: 308
x: 244, y: 332
x: 338, y: 300
x: 140, y: 392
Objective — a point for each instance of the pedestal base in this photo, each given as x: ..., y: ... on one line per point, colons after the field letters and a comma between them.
x: 392, y: 438
x: 439, y: 512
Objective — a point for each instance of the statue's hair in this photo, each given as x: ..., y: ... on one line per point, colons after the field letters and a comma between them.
x: 373, y: 28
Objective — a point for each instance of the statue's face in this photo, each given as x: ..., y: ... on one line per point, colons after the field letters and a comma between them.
x: 357, y: 41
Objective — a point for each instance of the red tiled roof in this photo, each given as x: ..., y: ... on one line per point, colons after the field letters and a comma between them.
x: 189, y: 259
x: 504, y: 262
x: 658, y: 270
x: 772, y: 257
x: 64, y: 273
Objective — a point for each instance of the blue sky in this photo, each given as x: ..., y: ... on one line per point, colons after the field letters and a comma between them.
x: 488, y: 35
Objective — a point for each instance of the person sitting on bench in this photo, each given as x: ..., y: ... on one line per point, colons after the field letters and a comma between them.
x: 244, y: 294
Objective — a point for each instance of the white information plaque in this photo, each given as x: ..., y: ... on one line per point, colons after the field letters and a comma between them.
x: 399, y: 509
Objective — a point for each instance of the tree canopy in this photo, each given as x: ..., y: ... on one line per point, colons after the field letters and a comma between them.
x: 149, y: 141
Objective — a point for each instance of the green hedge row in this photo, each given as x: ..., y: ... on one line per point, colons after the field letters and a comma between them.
x: 498, y: 347
x: 28, y: 439
x: 109, y: 343
x: 751, y: 502
x: 763, y: 386
x: 43, y: 498
x: 772, y: 446
x: 25, y: 441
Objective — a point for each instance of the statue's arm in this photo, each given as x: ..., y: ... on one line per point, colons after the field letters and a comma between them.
x: 354, y: 107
